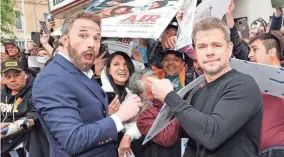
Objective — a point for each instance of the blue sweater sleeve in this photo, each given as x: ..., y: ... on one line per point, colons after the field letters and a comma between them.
x: 276, y: 22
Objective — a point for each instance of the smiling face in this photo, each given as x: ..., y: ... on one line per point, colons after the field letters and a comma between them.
x: 119, y: 71
x: 84, y: 43
x: 120, y: 10
x: 155, y: 5
x: 172, y: 65
x: 213, y: 52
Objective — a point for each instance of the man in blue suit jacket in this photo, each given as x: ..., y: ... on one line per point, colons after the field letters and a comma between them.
x: 71, y: 106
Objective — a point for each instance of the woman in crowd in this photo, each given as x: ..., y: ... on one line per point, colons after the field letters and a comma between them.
x: 114, y: 79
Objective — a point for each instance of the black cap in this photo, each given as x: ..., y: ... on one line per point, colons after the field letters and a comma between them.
x: 182, y: 55
x: 172, y: 25
x: 10, y: 65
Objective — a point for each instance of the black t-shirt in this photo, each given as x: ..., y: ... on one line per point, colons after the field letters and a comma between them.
x: 223, y: 118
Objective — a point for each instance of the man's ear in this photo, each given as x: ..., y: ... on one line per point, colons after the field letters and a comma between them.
x: 272, y: 52
x: 26, y: 75
x: 230, y: 49
x: 64, y: 40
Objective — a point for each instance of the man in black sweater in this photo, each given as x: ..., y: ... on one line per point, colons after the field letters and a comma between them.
x: 222, y: 118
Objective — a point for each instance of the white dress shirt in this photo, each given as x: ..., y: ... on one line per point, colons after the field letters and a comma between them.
x: 89, y: 74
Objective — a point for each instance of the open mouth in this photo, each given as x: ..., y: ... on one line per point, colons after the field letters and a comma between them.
x: 121, y: 74
x: 88, y: 56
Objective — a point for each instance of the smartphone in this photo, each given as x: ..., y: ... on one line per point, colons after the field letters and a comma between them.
x: 110, y: 96
x: 36, y: 38
x: 50, y: 18
x: 243, y: 27
x: 2, y: 49
x: 104, y: 48
x: 44, y: 27
x: 33, y: 63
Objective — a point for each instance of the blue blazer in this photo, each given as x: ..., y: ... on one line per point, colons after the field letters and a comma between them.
x: 73, y: 112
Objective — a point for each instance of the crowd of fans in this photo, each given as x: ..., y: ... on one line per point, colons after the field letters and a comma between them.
x: 116, y: 73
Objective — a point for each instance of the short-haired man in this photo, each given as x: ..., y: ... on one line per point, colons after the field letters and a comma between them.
x: 164, y: 143
x: 173, y: 68
x: 16, y: 105
x: 268, y: 49
x: 71, y: 105
x: 222, y: 118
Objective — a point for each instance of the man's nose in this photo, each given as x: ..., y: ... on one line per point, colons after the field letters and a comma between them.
x: 209, y: 51
x: 12, y: 79
x: 171, y: 61
x: 90, y: 43
x: 250, y: 55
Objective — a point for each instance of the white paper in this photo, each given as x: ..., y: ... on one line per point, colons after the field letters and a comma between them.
x: 186, y: 25
x: 116, y: 45
x: 211, y: 8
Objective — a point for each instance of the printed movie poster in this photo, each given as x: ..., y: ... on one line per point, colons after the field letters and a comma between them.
x: 135, y: 18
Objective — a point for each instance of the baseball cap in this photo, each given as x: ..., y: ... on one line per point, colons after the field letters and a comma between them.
x: 10, y: 65
x: 182, y: 55
x: 172, y: 25
x: 277, y: 3
x: 9, y: 41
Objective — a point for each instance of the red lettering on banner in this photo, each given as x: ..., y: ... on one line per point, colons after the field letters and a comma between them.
x: 148, y: 18
x: 130, y: 19
x: 144, y: 18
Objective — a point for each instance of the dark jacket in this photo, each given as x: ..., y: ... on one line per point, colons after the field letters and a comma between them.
x: 241, y: 48
x: 34, y: 138
x: 23, y: 104
x: 73, y: 112
x: 154, y: 55
x: 24, y: 63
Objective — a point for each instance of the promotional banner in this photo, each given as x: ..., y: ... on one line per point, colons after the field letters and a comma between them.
x: 135, y: 18
x: 116, y: 44
x: 186, y: 24
x: 269, y: 79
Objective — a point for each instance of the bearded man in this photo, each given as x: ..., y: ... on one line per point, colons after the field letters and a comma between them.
x: 71, y: 106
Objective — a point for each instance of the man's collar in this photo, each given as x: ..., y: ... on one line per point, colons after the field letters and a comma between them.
x: 89, y: 74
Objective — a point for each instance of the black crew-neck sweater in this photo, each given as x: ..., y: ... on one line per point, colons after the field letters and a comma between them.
x: 223, y: 118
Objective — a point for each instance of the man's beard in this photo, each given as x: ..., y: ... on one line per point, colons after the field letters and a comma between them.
x: 77, y: 61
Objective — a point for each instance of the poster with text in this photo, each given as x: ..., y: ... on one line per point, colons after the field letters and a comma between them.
x: 135, y: 18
